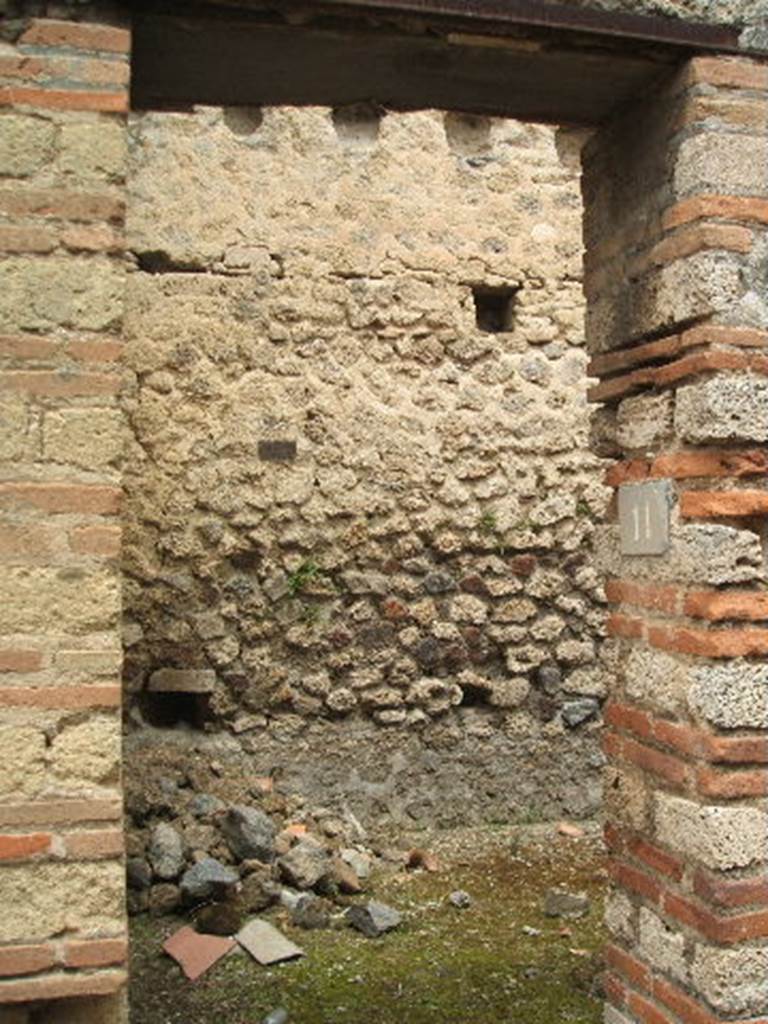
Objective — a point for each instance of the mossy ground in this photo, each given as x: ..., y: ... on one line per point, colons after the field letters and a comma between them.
x: 474, y: 966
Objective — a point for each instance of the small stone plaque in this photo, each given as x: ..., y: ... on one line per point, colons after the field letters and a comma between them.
x: 277, y: 451
x: 644, y: 517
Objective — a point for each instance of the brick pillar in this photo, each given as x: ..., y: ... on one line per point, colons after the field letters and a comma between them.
x: 63, y: 103
x: 677, y: 282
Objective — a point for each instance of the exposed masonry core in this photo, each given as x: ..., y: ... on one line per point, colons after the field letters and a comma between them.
x: 358, y: 488
x: 678, y: 328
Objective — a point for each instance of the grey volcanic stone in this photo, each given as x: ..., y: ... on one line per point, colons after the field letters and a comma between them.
x: 249, y: 833
x: 577, y: 711
x: 305, y: 864
x: 138, y: 873
x: 203, y: 805
x: 373, y: 919
x: 208, y: 879
x: 561, y: 903
x: 166, y: 852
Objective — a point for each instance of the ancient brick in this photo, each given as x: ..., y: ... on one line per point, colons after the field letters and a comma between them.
x: 76, y: 36
x: 18, y: 960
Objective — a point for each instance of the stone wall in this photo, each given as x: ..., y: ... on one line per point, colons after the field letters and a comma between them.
x: 678, y: 324
x: 62, y: 164
x: 359, y: 503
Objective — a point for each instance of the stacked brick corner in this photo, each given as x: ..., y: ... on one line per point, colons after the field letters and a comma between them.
x: 63, y: 98
x: 677, y: 328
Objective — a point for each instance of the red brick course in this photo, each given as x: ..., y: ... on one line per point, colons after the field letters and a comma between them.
x: 93, y: 499
x: 76, y: 36
x: 63, y: 99
x: 60, y: 698
x: 690, y: 465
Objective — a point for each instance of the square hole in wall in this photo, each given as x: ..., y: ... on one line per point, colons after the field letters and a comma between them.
x: 494, y: 308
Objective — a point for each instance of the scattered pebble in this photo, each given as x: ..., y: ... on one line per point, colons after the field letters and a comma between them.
x: 461, y: 899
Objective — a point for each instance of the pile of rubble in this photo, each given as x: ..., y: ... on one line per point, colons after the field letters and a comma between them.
x: 221, y: 863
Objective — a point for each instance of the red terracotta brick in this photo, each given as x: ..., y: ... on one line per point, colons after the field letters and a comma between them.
x: 101, y: 541
x: 743, y: 208
x: 689, y: 465
x: 671, y: 373
x: 657, y: 598
x: 737, y: 749
x: 630, y: 967
x: 22, y: 542
x: 728, y: 72
x: 45, y: 384
x: 730, y: 109
x: 716, y: 605
x: 612, y: 744
x: 661, y: 861
x: 19, y: 66
x: 14, y: 659
x: 76, y: 36
x: 96, y: 953
x: 60, y: 812
x: 25, y: 846
x: 62, y: 204
x: 60, y: 697
x: 680, y: 737
x: 104, y: 350
x: 637, y: 881
x: 744, y: 928
x: 615, y: 990
x: 63, y: 99
x: 631, y: 719
x: 94, y: 844
x: 26, y: 346
x: 687, y: 1009
x: 92, y: 238
x: 18, y: 960
x: 26, y: 239
x: 93, y: 499
x: 741, y: 892
x: 733, y: 643
x: 623, y: 625
x: 689, y: 913
x: 732, y: 785
x: 646, y: 1012
x: 675, y: 344
x: 666, y: 767
x: 63, y: 986
x: 613, y: 837
x: 723, y: 503
x: 694, y: 238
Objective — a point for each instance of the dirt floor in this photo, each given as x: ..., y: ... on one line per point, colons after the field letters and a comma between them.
x: 480, y: 965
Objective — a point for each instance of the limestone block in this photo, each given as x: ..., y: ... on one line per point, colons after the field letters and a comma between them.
x: 26, y: 144
x: 656, y: 678
x: 60, y: 291
x: 88, y: 752
x: 612, y: 1016
x: 183, y: 680
x: 13, y: 427
x: 733, y: 695
x: 35, y: 910
x: 620, y: 916
x: 92, y: 150
x: 733, y: 981
x: 31, y: 598
x: 91, y: 438
x: 723, y: 165
x: 662, y: 947
x: 710, y: 553
x: 22, y: 769
x: 644, y: 421
x: 732, y: 407
x: 720, y: 837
